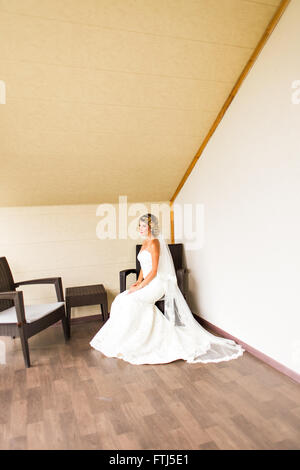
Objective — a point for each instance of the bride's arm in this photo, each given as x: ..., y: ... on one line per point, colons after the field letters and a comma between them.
x: 139, y: 279
x: 154, y: 250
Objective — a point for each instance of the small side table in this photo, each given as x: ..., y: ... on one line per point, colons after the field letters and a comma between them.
x: 86, y: 295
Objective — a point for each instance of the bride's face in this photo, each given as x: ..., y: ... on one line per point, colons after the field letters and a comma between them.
x: 143, y: 229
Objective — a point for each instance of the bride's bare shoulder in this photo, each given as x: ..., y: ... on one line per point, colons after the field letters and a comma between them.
x: 154, y: 245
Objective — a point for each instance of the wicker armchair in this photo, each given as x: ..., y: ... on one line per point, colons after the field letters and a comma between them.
x: 24, y: 321
x: 176, y: 250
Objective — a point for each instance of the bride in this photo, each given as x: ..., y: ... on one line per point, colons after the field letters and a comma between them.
x: 138, y: 332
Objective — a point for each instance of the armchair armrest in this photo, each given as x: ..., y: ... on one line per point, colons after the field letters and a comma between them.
x: 18, y: 299
x: 123, y: 276
x: 46, y: 280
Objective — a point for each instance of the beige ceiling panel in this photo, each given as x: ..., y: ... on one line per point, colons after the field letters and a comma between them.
x: 140, y: 121
x: 39, y: 40
x: 49, y: 82
x: 86, y: 118
x: 101, y: 155
x: 237, y: 22
x: 82, y: 11
x: 76, y: 188
x: 110, y: 97
x: 105, y: 168
x: 274, y: 3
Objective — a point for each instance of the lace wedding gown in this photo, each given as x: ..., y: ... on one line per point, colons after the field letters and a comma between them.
x: 139, y: 333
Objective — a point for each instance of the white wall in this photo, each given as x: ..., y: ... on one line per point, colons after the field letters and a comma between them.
x: 46, y: 241
x: 245, y: 279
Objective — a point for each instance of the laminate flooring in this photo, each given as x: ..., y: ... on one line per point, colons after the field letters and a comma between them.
x: 74, y: 397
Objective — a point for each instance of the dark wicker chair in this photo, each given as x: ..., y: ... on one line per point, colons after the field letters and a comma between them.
x: 24, y: 321
x: 176, y: 250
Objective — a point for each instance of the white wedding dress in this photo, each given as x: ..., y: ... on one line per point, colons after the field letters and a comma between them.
x: 139, y: 333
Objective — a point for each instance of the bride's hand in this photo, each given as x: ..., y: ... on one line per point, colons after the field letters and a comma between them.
x: 134, y: 287
x: 136, y: 283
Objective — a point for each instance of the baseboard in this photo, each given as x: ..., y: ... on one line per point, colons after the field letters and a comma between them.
x: 205, y: 323
x: 261, y: 356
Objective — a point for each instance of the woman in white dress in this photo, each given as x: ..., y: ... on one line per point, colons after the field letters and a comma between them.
x: 139, y: 333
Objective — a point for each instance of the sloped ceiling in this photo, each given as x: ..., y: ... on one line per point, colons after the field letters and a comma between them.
x: 114, y: 97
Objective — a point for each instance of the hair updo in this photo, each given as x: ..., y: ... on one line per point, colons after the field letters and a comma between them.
x: 152, y: 222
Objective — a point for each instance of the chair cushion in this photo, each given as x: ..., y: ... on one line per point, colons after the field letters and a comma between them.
x: 32, y: 312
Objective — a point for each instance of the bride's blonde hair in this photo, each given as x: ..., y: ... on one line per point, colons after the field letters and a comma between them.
x: 152, y: 222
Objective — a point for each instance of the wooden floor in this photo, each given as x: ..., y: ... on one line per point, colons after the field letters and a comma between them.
x: 73, y: 397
